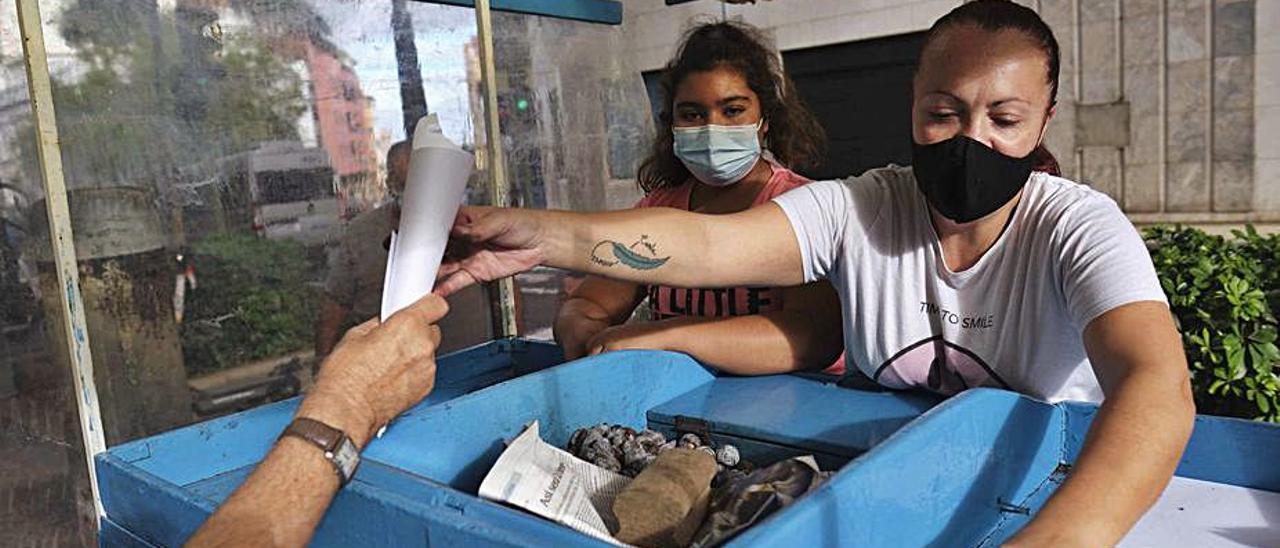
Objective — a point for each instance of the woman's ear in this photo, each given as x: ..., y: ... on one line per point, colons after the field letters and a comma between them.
x: 763, y: 132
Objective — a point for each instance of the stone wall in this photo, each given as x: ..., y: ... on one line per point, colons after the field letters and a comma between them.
x: 1172, y: 107
x: 1266, y: 105
x: 1184, y: 72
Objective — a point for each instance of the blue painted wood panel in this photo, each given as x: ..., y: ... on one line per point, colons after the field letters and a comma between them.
x: 1222, y: 449
x: 608, y: 12
x: 938, y: 481
x: 111, y: 535
x: 804, y: 413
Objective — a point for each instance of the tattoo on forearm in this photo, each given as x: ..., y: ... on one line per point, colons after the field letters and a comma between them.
x: 641, y: 255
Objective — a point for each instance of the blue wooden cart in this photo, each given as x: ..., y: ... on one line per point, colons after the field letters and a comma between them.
x: 914, y: 471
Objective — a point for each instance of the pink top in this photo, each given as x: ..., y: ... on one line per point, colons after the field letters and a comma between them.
x: 668, y: 302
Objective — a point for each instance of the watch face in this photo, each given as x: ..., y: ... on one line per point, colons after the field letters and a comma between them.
x: 346, y: 458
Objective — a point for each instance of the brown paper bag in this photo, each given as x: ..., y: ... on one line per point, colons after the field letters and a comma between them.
x: 664, y: 506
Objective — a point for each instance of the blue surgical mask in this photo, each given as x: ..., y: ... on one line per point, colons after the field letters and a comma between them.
x: 718, y: 155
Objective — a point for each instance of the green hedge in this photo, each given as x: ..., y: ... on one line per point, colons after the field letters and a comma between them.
x: 253, y: 301
x: 1224, y: 293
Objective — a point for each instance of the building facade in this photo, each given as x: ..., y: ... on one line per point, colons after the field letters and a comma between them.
x: 342, y: 113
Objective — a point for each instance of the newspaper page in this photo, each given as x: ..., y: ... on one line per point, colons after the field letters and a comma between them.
x: 552, y: 483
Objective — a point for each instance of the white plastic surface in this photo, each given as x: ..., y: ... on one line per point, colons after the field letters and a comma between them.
x: 1206, y: 514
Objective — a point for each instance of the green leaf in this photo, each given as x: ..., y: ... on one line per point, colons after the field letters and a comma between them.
x: 1224, y: 294
x: 1264, y: 334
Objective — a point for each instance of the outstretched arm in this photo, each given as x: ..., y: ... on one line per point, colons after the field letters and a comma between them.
x: 650, y: 245
x: 1137, y: 437
x: 375, y: 373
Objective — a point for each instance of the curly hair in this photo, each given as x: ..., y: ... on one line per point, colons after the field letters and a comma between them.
x: 795, y: 138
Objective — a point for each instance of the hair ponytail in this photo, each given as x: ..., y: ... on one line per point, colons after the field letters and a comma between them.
x: 1043, y: 160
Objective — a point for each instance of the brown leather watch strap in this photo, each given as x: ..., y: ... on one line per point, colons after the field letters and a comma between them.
x: 322, y: 435
x: 338, y: 449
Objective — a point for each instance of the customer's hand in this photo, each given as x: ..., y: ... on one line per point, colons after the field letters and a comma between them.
x: 377, y: 371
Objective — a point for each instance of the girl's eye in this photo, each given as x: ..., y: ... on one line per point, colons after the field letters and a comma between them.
x: 942, y: 114
x: 689, y: 116
x: 734, y: 111
x: 1006, y: 122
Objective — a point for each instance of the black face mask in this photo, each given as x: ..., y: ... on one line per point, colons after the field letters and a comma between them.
x: 966, y: 180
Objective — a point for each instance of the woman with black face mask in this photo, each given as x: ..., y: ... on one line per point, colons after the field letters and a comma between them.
x: 971, y: 268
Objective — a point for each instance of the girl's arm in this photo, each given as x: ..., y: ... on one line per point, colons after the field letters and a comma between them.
x: 805, y: 334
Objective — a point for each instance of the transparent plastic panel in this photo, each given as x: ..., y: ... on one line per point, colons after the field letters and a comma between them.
x: 575, y: 124
x: 228, y: 174
x: 45, y: 497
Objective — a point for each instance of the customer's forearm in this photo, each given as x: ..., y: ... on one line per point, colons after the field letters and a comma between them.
x: 282, y: 501
x: 280, y: 504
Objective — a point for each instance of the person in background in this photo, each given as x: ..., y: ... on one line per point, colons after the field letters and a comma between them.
x: 353, y: 288
x: 730, y: 126
x: 376, y: 372
x: 967, y: 269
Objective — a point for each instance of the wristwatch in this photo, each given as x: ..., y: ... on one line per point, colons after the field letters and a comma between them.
x: 338, y: 448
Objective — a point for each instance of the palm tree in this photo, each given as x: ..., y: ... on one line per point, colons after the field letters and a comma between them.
x: 413, y: 100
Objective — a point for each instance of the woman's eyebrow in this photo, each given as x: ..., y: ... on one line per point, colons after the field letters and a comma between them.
x: 947, y: 96
x: 732, y: 99
x: 689, y: 104
x: 1010, y: 101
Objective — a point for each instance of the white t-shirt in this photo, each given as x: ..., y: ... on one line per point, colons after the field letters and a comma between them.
x: 1014, y: 320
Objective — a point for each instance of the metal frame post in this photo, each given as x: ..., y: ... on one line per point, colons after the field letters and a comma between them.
x: 498, y: 192
x: 55, y: 189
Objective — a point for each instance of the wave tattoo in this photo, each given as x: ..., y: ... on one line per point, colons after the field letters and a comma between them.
x: 642, y: 255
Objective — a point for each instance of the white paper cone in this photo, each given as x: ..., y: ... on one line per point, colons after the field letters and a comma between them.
x: 437, y: 180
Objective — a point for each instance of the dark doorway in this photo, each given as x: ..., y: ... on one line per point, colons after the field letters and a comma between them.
x: 861, y: 93
x: 653, y: 88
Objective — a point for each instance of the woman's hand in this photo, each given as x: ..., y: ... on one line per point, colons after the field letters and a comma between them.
x: 592, y: 307
x: 659, y: 335
x: 575, y: 334
x: 489, y: 243
x: 1137, y: 437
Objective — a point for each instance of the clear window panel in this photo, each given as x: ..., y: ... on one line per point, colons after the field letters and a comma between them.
x: 576, y: 124
x: 45, y: 496
x: 227, y: 169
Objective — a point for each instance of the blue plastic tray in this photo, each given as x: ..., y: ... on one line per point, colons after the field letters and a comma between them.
x: 964, y: 473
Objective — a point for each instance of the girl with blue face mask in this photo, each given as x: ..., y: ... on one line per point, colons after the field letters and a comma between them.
x: 732, y: 126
